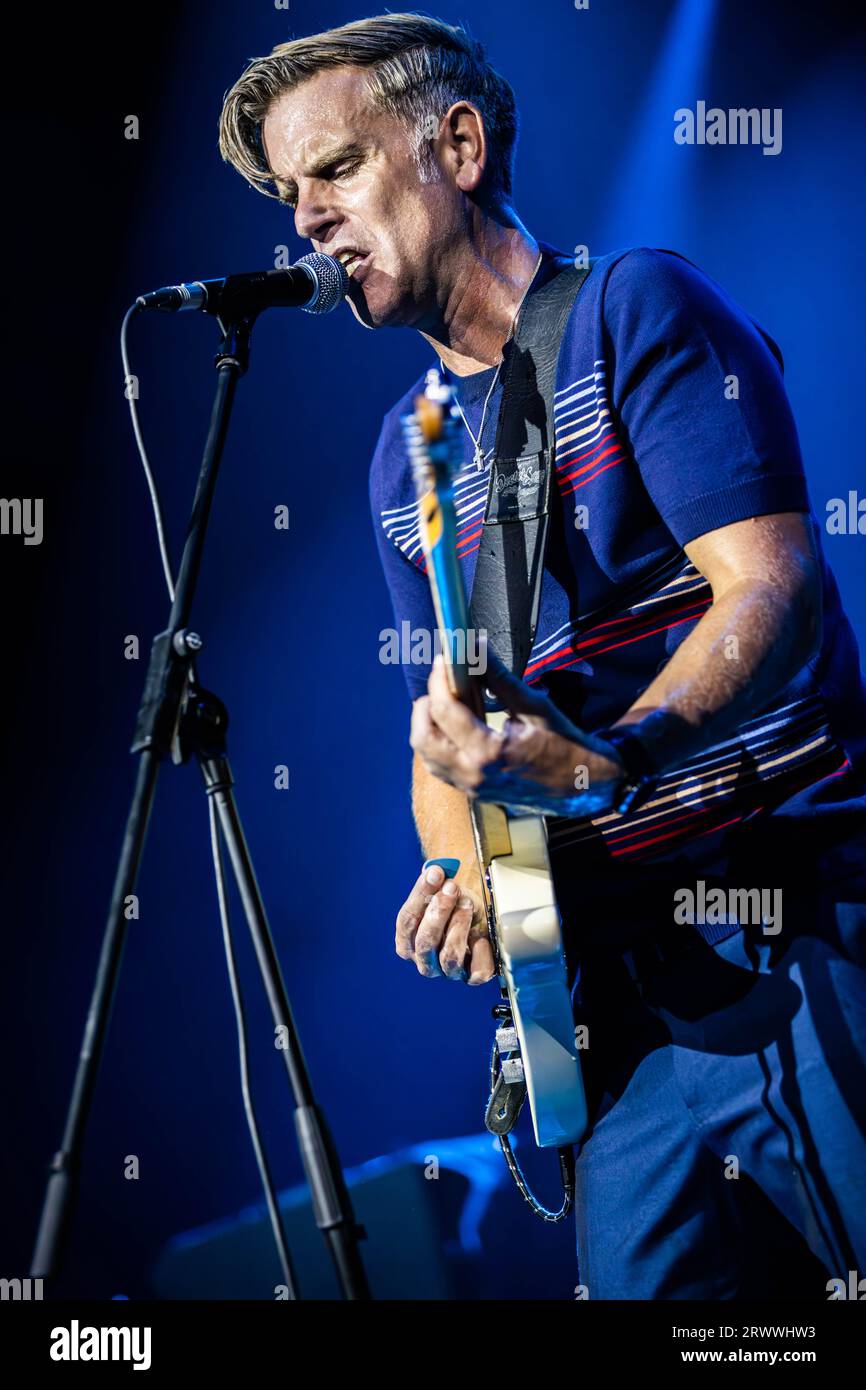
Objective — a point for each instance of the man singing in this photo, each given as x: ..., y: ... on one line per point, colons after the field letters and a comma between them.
x: 689, y: 634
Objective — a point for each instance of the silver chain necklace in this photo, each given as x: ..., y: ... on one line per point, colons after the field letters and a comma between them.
x: 478, y: 456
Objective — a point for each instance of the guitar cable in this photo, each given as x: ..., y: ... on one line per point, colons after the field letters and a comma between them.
x: 565, y: 1156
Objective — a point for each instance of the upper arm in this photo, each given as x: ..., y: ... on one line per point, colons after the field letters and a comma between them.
x: 700, y: 398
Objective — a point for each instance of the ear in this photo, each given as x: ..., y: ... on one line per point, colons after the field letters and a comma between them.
x: 462, y: 145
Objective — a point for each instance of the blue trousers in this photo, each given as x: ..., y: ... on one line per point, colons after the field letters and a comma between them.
x: 727, y: 1087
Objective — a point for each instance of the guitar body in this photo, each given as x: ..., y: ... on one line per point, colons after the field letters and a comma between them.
x: 532, y: 962
x: 523, y: 917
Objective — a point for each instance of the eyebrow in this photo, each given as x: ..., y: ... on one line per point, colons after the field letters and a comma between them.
x: 288, y: 189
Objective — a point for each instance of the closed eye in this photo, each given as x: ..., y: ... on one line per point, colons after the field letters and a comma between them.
x: 346, y: 170
x: 337, y: 169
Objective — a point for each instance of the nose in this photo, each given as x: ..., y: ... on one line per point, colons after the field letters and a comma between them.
x: 315, y: 214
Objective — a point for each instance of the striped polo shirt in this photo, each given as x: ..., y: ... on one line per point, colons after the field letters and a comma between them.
x: 671, y: 420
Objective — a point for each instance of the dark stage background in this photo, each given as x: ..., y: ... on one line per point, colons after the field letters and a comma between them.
x: 292, y: 619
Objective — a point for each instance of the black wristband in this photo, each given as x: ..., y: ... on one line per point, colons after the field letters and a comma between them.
x: 635, y: 758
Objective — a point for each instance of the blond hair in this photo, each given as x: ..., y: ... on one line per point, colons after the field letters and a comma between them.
x: 419, y: 66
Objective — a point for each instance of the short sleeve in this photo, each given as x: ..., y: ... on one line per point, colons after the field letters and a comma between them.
x: 699, y: 392
x: 395, y: 526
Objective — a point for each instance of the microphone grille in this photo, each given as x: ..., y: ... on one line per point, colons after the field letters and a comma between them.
x: 332, y: 282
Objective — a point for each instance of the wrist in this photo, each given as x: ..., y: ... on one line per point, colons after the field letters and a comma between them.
x: 639, y: 769
x: 586, y: 779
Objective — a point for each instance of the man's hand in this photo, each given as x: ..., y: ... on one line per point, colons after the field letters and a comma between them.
x: 539, y: 761
x: 442, y: 928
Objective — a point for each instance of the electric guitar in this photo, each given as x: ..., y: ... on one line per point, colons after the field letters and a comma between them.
x: 535, y: 1038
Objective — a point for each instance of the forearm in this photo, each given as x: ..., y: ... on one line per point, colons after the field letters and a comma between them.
x: 763, y: 626
x: 747, y: 647
x: 442, y: 820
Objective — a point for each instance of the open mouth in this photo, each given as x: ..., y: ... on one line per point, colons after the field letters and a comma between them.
x: 353, y: 261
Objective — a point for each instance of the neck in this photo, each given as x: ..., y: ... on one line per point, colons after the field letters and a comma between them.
x: 487, y: 277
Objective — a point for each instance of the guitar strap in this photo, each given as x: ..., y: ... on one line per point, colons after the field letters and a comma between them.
x: 506, y: 591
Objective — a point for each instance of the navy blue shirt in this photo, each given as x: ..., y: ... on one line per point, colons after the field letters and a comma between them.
x: 671, y: 421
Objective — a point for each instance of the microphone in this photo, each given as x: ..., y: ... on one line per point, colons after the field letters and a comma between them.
x: 316, y: 283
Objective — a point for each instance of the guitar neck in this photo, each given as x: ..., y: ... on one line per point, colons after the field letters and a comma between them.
x: 449, y: 597
x: 435, y: 461
x: 489, y: 821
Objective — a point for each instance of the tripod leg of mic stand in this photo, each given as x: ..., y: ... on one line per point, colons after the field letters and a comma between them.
x: 331, y: 1202
x: 283, y: 1252
x: 63, y: 1175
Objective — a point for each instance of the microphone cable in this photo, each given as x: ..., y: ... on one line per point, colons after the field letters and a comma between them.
x: 274, y: 1215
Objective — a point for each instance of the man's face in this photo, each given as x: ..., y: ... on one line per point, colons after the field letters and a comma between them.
x: 349, y: 172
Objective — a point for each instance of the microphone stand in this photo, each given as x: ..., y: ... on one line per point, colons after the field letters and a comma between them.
x: 178, y: 716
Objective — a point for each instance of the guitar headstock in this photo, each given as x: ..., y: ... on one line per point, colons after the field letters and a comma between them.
x: 434, y: 439
x: 433, y: 436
